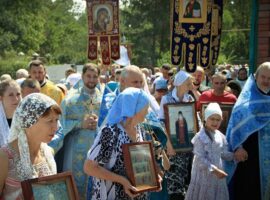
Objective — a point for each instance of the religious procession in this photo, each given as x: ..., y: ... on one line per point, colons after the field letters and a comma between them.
x: 186, y: 125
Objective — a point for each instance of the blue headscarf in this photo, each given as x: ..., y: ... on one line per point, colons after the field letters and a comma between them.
x: 127, y: 104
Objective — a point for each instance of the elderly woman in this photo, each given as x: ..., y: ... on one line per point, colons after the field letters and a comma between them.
x: 10, y: 97
x: 105, y: 159
x: 179, y: 174
x: 27, y: 155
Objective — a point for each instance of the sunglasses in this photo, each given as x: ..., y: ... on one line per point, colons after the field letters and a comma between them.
x: 161, y: 90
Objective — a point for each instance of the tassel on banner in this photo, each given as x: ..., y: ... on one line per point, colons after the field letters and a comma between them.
x: 92, y: 47
x: 105, y: 50
x: 115, y: 50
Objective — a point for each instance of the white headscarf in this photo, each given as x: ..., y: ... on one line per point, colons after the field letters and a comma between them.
x: 27, y: 114
x: 211, y: 109
x: 180, y: 78
x: 4, y: 128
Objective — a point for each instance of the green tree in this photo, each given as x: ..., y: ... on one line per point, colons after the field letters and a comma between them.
x: 235, y: 32
x: 51, y: 28
x: 56, y: 31
x: 22, y: 25
x: 146, y: 25
x: 66, y: 35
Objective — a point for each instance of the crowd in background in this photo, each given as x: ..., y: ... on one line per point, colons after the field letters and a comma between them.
x: 80, y: 123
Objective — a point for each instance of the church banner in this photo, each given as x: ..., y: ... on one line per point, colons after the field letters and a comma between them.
x: 103, y: 30
x: 195, y: 32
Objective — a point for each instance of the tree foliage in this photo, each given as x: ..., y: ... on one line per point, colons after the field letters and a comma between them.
x: 49, y: 28
x: 56, y: 31
x: 146, y: 24
x: 235, y: 31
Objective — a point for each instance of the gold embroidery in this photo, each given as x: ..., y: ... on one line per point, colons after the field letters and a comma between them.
x: 197, y: 35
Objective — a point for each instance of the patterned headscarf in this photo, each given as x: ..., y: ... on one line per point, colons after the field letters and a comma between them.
x: 127, y: 104
x: 26, y: 115
x: 4, y: 128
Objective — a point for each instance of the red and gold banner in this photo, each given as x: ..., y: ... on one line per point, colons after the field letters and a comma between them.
x: 105, y: 50
x: 115, y: 47
x: 103, y: 29
x: 92, y: 47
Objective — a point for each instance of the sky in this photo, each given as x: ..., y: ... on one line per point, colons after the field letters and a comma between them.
x: 81, y: 4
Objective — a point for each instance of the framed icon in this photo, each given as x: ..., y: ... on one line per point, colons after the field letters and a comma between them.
x: 181, y: 124
x: 60, y: 186
x: 103, y: 17
x: 140, y: 166
x: 192, y: 11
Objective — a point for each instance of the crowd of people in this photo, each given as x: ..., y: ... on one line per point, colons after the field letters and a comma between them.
x: 81, y: 123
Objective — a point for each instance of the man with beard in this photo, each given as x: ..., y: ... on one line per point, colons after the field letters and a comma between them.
x: 197, y: 83
x: 248, y: 136
x: 37, y: 72
x: 79, y: 120
x: 242, y: 76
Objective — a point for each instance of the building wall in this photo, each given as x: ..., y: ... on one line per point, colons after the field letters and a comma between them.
x: 263, y: 31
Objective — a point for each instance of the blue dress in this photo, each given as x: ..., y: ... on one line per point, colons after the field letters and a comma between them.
x: 208, y: 154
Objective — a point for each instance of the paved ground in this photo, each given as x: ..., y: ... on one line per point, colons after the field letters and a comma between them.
x: 57, y: 72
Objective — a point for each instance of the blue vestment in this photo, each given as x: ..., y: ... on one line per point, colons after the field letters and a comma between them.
x: 251, y: 114
x: 78, y: 140
x: 111, y: 91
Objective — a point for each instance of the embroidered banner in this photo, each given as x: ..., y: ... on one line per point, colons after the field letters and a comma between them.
x: 115, y: 48
x: 92, y: 47
x: 103, y: 30
x: 105, y: 50
x: 196, y: 30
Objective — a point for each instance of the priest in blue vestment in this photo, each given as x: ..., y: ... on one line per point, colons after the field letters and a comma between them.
x: 248, y: 135
x: 79, y: 122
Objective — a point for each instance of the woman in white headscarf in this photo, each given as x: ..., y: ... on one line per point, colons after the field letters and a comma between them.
x: 182, y: 85
x: 10, y: 97
x: 27, y: 155
x: 178, y: 175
